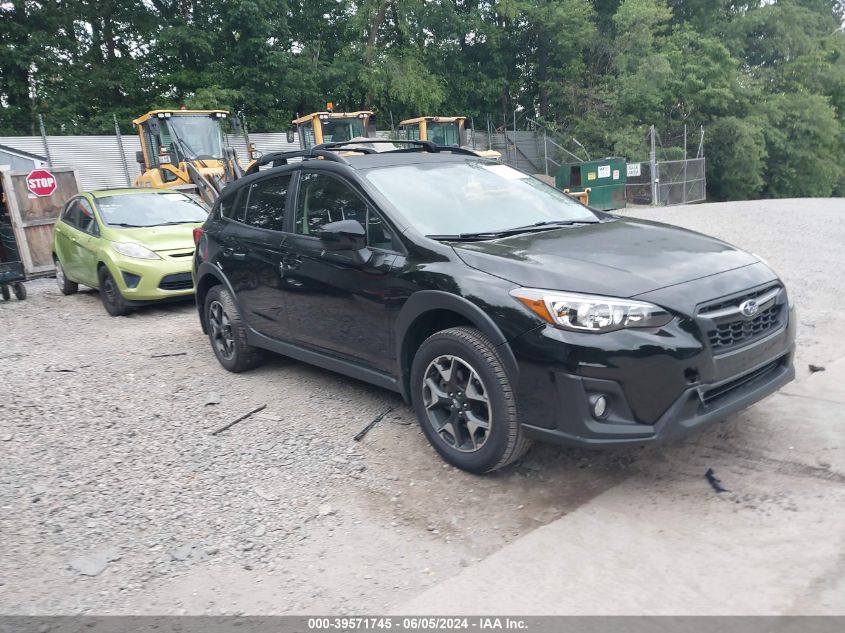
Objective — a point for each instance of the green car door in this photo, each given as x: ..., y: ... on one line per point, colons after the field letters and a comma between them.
x: 76, y: 241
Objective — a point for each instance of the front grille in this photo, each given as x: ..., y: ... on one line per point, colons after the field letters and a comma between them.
x: 717, y: 393
x: 727, y: 328
x: 179, y: 281
x: 733, y: 333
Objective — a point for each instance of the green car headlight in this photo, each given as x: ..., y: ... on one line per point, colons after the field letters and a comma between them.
x: 132, y: 249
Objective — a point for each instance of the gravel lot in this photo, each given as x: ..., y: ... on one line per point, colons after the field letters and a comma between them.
x: 117, y: 498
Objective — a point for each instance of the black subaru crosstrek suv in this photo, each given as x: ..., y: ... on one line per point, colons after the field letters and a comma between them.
x: 500, y: 308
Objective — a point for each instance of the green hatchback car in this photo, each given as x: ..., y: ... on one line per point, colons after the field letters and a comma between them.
x: 134, y: 245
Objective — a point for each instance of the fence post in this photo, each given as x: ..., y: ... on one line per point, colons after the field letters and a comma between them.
x: 44, y: 141
x: 515, y: 148
x: 655, y: 180
x: 122, y: 151
x: 545, y: 152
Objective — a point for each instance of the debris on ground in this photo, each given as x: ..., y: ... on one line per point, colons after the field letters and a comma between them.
x: 360, y: 435
x: 212, y: 398
x: 59, y: 369
x: 169, y: 354
x: 714, y: 481
x: 94, y: 563
x: 325, y: 510
x: 815, y: 368
x: 240, y: 419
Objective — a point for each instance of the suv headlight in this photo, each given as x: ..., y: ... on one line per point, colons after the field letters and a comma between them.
x: 590, y: 313
x: 131, y: 249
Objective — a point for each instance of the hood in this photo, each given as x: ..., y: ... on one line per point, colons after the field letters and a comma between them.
x: 157, y: 238
x: 620, y: 258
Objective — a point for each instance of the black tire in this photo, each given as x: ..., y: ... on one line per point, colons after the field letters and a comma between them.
x: 7, y: 294
x: 227, y: 332
x: 20, y: 291
x: 472, y: 363
x: 66, y: 286
x: 113, y: 301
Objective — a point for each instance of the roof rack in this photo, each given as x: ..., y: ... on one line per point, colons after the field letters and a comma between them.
x: 327, y: 151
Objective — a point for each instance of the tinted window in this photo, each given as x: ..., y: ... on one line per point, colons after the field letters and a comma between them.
x: 323, y: 199
x: 150, y: 209
x: 71, y: 214
x: 233, y: 207
x: 87, y: 221
x: 473, y: 197
x: 265, y: 203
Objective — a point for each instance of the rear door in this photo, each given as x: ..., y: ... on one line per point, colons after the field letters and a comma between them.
x: 65, y: 237
x: 251, y: 254
x: 87, y: 244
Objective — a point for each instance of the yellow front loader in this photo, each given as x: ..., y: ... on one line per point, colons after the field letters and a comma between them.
x: 329, y: 127
x: 444, y: 131
x: 185, y: 147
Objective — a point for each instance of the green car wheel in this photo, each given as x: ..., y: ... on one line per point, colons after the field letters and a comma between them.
x: 113, y: 301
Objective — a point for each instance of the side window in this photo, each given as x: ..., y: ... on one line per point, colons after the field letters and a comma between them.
x: 232, y: 208
x: 265, y: 203
x: 323, y: 199
x: 379, y: 234
x: 87, y: 221
x: 71, y: 213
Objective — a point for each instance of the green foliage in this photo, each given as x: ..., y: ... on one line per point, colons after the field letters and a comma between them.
x: 766, y: 78
x: 736, y: 158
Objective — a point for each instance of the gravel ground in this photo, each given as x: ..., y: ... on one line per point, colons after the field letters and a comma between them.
x: 117, y: 497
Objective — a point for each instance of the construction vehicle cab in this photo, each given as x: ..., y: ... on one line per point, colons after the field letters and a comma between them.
x: 329, y: 127
x: 170, y: 139
x: 446, y: 131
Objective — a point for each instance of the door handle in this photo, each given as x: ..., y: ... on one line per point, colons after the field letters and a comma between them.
x: 228, y: 252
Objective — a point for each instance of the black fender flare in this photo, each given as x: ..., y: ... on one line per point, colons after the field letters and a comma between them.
x: 204, y: 271
x: 428, y: 300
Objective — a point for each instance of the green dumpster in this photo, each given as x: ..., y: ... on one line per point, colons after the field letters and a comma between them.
x: 605, y: 178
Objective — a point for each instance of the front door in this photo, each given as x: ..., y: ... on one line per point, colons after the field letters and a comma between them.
x: 335, y: 306
x: 251, y: 256
x: 87, y: 244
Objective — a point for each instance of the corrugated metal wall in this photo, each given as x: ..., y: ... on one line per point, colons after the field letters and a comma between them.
x: 100, y: 166
x: 98, y: 158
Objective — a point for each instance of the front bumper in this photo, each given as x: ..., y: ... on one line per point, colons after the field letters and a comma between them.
x: 661, y: 384
x: 143, y: 280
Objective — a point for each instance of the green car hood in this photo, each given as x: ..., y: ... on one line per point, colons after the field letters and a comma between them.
x: 157, y: 238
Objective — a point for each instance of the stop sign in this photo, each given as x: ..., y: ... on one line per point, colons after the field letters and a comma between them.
x: 41, y: 182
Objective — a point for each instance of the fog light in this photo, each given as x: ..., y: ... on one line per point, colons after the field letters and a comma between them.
x: 599, y: 405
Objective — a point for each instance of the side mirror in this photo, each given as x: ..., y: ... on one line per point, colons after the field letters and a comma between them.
x: 155, y: 128
x: 371, y: 127
x: 346, y: 241
x: 139, y: 158
x: 236, y: 124
x: 291, y: 134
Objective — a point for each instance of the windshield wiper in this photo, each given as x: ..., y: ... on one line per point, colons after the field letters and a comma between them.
x: 179, y: 222
x: 546, y: 225
x: 125, y: 225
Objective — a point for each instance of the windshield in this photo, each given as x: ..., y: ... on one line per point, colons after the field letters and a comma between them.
x: 444, y: 133
x: 335, y: 130
x: 194, y: 136
x: 473, y: 197
x: 150, y: 210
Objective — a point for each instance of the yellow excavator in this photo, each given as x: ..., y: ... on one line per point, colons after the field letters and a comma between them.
x: 442, y: 130
x: 329, y: 127
x: 182, y: 148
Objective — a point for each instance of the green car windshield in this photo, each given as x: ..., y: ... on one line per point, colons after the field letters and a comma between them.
x: 454, y: 198
x: 137, y: 210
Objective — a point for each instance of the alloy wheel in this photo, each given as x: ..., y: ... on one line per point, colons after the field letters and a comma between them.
x: 221, y: 330
x: 456, y: 403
